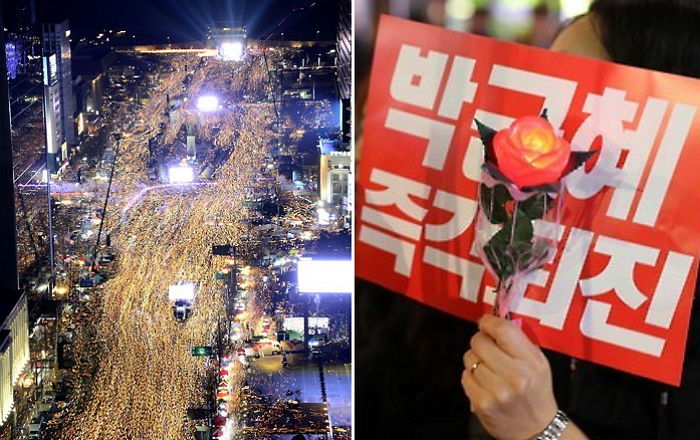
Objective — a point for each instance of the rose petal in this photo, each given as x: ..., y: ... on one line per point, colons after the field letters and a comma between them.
x: 527, y: 166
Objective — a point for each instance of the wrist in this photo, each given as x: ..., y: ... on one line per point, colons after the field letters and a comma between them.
x: 555, y: 428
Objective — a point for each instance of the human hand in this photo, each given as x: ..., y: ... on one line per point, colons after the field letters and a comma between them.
x: 508, y: 381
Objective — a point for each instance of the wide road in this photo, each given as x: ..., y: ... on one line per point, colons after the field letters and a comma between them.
x: 146, y: 377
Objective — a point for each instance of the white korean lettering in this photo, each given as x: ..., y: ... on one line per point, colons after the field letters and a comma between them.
x: 459, y: 88
x: 557, y: 92
x: 416, y: 79
x: 438, y: 134
x: 607, y: 115
x: 398, y: 192
x: 594, y: 324
x: 403, y: 251
x: 391, y: 223
x: 470, y: 273
x: 665, y: 164
x: 463, y: 210
x: 668, y: 291
x: 618, y: 275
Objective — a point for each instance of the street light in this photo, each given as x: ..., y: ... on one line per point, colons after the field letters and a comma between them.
x: 208, y: 103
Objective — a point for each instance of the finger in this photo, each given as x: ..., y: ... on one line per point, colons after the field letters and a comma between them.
x: 476, y: 393
x: 508, y: 336
x: 484, y: 374
x: 470, y: 359
x: 488, y: 351
x: 496, y: 386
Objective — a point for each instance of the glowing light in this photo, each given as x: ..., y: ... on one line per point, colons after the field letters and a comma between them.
x: 325, y: 276
x: 27, y: 381
x: 208, y: 103
x: 59, y: 291
x: 181, y: 292
x: 181, y: 174
x: 459, y: 9
x: 573, y: 8
x: 307, y: 235
x: 231, y: 51
x: 324, y: 217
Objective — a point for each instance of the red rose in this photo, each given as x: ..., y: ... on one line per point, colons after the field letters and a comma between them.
x: 529, y: 153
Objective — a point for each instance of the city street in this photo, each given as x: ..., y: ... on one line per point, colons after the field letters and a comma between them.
x: 176, y: 206
x: 135, y: 361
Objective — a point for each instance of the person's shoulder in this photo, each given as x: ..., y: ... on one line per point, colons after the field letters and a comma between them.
x: 582, y: 38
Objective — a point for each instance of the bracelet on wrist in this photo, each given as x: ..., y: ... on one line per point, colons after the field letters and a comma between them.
x: 556, y: 427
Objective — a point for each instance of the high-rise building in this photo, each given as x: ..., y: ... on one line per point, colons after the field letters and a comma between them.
x: 344, y: 49
x: 344, y: 60
x: 29, y: 164
x: 18, y: 162
x: 58, y: 92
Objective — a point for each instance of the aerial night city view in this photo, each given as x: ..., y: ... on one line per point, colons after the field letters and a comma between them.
x: 179, y: 192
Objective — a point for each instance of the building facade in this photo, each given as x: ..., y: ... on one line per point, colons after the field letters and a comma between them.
x: 58, y: 92
x: 14, y: 353
x: 344, y: 49
x: 20, y: 160
x: 334, y: 184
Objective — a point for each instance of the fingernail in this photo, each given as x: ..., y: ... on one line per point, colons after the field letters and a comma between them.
x: 518, y: 322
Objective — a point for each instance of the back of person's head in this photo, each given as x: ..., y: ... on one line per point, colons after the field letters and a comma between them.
x: 655, y: 34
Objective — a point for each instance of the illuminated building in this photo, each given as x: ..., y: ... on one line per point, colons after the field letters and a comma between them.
x: 334, y: 182
x: 58, y: 92
x: 344, y: 49
x: 14, y: 334
x: 14, y: 351
x: 28, y: 153
x: 229, y: 39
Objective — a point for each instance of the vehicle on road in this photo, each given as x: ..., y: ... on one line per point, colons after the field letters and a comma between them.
x: 182, y: 296
x: 248, y: 350
x: 182, y: 310
x: 268, y: 347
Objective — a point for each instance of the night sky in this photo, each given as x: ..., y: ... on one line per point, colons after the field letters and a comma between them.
x: 187, y: 20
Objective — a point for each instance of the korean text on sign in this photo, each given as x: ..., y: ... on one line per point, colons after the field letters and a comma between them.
x: 620, y: 289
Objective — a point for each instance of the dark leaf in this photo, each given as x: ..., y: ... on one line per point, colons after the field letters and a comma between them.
x: 493, y: 202
x: 523, y: 230
x: 544, y: 114
x: 537, y: 205
x: 510, y: 245
x: 530, y: 255
x: 496, y: 251
x: 493, y: 171
x: 487, y: 134
x: 577, y: 159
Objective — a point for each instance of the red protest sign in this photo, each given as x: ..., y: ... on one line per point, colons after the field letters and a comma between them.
x: 620, y: 288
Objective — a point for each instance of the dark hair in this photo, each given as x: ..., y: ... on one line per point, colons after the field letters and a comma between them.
x: 654, y: 34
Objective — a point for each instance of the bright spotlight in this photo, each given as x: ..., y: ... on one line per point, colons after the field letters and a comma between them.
x: 180, y: 292
x: 181, y: 174
x: 208, y: 103
x: 231, y: 51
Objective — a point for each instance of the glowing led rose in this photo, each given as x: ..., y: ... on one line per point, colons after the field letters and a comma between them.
x: 529, y: 153
x: 521, y: 183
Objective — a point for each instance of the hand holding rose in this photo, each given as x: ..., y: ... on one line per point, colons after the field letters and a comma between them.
x: 508, y: 381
